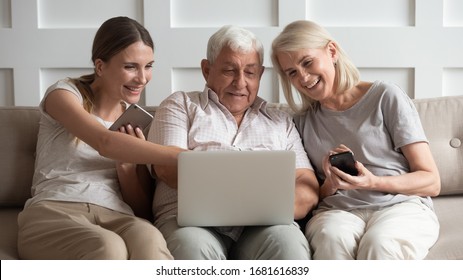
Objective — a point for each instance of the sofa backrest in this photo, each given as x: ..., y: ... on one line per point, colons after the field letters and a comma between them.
x: 441, y: 119
x: 18, y: 138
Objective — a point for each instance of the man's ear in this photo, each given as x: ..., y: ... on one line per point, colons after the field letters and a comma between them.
x: 205, y: 67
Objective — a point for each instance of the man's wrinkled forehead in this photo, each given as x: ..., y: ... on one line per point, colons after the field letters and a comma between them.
x: 228, y: 56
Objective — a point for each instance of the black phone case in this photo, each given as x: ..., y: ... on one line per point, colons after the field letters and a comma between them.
x: 345, y: 162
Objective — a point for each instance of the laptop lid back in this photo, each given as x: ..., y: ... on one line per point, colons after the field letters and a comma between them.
x: 236, y: 188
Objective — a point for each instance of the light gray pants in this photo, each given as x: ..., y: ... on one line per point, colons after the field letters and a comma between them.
x: 403, y: 231
x: 281, y: 242
x: 66, y: 230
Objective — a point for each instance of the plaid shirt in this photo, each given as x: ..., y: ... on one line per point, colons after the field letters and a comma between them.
x: 197, y: 121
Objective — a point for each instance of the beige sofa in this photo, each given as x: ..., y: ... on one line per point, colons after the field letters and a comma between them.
x: 441, y: 117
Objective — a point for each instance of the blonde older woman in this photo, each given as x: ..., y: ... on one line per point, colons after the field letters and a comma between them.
x: 385, y: 212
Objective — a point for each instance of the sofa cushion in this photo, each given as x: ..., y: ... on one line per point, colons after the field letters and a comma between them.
x: 19, y: 127
x: 9, y: 233
x: 449, y: 210
x: 442, y: 121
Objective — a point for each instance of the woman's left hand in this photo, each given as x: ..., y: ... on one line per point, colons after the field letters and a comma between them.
x: 135, y: 132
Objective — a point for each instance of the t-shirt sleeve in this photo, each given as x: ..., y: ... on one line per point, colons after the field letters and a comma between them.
x: 64, y: 84
x: 401, y: 117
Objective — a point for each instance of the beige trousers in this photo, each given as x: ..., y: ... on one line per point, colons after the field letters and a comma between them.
x: 403, y: 231
x: 67, y: 230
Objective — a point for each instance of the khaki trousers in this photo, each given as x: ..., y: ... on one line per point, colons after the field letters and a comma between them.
x: 68, y: 230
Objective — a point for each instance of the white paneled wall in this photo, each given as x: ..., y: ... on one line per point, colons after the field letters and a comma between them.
x: 69, y: 14
x: 415, y: 43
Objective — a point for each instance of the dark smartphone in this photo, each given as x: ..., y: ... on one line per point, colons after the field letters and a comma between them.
x: 135, y: 116
x: 345, y: 162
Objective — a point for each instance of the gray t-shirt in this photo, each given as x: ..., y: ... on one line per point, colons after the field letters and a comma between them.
x: 67, y: 170
x: 375, y: 128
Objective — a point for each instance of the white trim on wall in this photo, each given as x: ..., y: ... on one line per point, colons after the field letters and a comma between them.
x: 414, y: 43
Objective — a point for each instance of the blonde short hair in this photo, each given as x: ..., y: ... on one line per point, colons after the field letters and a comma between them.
x: 305, y: 34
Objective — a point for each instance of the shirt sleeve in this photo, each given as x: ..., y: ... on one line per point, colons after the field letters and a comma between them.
x: 170, y: 123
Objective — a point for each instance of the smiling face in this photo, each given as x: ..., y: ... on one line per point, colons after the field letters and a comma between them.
x: 235, y: 78
x: 311, y: 71
x: 126, y: 74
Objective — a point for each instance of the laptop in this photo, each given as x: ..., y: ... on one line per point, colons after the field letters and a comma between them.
x: 236, y: 188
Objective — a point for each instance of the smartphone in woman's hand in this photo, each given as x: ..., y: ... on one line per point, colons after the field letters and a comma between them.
x: 345, y: 162
x: 135, y: 115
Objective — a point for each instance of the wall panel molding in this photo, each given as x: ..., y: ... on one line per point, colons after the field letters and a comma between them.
x: 403, y: 77
x: 373, y: 13
x: 6, y: 87
x: 70, y: 14
x: 453, y: 13
x: 414, y: 43
x: 451, y: 81
x: 5, y: 13
x: 256, y: 13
